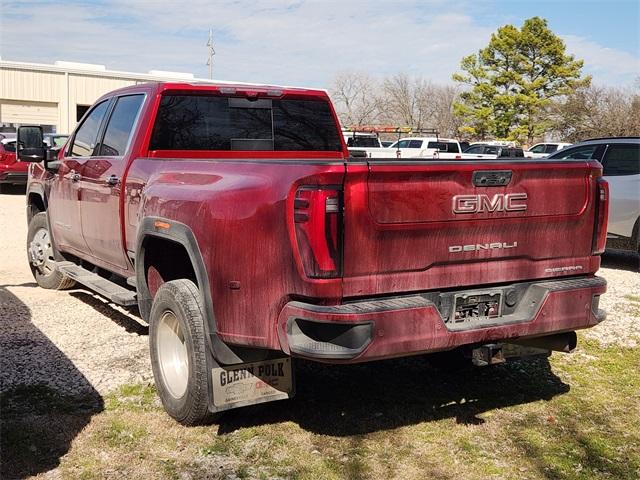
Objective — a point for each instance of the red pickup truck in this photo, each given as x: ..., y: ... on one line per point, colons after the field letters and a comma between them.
x: 14, y: 172
x: 233, y: 216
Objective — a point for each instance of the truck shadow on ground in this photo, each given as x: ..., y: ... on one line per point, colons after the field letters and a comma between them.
x: 621, y: 260
x: 45, y: 401
x: 359, y: 399
x: 127, y: 318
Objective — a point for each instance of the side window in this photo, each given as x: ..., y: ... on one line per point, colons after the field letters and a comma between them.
x: 587, y: 152
x: 452, y: 148
x: 415, y: 143
x: 550, y: 148
x: 118, y: 132
x: 491, y: 150
x: 474, y: 149
x: 622, y: 160
x: 86, y: 136
x: 538, y: 148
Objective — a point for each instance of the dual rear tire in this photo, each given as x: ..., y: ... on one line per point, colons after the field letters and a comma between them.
x: 178, y: 351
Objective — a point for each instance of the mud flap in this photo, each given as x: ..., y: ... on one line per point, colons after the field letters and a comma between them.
x: 251, y: 383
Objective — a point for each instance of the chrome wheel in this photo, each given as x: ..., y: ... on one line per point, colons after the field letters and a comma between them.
x: 41, y: 252
x: 172, y: 354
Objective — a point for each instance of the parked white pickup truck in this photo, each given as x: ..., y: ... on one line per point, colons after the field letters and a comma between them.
x: 542, y: 150
x: 491, y: 151
x: 418, y: 147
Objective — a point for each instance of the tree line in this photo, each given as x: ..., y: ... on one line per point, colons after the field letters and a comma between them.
x: 522, y: 86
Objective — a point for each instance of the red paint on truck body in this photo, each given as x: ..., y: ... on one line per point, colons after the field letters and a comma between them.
x: 397, y: 232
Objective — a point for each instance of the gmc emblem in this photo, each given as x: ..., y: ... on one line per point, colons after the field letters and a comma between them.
x: 500, y: 202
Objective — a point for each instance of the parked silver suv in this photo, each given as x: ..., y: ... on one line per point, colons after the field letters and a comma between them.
x: 621, y: 159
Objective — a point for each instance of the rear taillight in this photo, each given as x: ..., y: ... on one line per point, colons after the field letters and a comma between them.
x: 318, y: 226
x: 602, y: 215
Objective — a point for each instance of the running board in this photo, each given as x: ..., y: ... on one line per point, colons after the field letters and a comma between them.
x: 98, y: 284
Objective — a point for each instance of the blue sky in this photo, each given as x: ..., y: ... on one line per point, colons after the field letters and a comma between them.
x: 305, y: 42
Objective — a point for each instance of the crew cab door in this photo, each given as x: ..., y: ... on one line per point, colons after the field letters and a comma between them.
x: 622, y: 171
x: 64, y: 197
x: 101, y: 183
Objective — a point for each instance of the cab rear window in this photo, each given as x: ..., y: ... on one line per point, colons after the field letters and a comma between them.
x: 199, y: 122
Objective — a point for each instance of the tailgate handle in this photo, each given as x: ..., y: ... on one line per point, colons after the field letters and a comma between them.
x: 492, y: 178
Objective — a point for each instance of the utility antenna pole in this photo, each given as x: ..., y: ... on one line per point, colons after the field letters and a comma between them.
x: 212, y: 52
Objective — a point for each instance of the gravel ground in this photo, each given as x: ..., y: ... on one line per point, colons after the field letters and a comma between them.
x: 75, y: 341
x: 72, y: 341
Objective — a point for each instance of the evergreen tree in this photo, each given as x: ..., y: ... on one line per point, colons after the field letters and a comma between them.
x: 514, y: 81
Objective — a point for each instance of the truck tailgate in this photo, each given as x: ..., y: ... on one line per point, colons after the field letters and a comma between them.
x: 420, y: 225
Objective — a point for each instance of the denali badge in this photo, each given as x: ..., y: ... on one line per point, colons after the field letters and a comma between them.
x: 500, y: 202
x: 481, y: 246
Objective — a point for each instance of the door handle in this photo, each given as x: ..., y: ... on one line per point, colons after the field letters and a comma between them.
x: 113, y: 181
x: 75, y: 177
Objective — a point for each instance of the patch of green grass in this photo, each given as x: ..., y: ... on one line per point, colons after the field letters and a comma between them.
x: 572, y: 417
x: 119, y: 433
x: 133, y: 398
x: 633, y: 298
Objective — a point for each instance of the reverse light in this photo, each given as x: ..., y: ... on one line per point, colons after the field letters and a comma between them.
x: 318, y: 227
x: 602, y: 216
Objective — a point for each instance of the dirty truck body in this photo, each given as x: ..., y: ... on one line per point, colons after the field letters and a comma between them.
x: 242, y: 203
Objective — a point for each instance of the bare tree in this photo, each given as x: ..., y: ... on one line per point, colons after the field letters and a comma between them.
x: 356, y: 98
x: 407, y: 101
x: 598, y: 111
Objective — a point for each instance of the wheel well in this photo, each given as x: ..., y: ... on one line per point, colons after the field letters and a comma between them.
x: 165, y: 260
x: 36, y: 205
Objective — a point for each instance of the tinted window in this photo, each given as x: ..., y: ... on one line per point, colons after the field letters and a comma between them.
x: 415, y: 144
x: 622, y: 160
x: 189, y: 122
x: 538, y: 148
x: 10, y: 146
x: 550, y: 148
x: 85, y: 139
x: 475, y: 149
x: 453, y: 147
x: 365, y: 142
x: 586, y: 152
x: 120, y: 124
x: 491, y: 150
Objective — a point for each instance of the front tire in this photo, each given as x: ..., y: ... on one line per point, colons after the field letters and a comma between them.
x: 40, y: 256
x: 178, y: 354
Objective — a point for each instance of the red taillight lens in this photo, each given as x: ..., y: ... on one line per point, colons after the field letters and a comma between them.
x: 602, y: 216
x: 318, y: 225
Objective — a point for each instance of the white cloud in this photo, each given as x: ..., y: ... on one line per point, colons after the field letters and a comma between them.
x: 278, y: 41
x: 607, y: 65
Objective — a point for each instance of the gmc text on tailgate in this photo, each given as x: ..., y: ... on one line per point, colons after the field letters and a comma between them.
x: 234, y: 218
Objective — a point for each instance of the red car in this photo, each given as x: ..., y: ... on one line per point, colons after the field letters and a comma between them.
x: 235, y: 219
x: 14, y: 172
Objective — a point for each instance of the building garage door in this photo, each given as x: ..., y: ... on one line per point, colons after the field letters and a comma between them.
x: 29, y: 113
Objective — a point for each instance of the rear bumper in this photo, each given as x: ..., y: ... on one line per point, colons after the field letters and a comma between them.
x: 13, y: 178
x: 422, y: 323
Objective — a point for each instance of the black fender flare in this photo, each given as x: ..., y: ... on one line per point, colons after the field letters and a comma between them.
x: 37, y: 190
x: 183, y: 235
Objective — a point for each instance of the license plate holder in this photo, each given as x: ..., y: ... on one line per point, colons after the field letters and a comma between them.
x: 477, y: 305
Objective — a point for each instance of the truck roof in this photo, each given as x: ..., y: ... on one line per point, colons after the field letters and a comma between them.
x: 248, y: 89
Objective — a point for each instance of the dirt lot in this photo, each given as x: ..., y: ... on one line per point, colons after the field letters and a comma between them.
x: 76, y: 401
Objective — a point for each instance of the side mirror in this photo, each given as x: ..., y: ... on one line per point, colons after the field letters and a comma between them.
x: 30, y: 144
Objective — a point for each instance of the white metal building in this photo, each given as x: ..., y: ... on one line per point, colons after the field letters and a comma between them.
x: 56, y: 96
